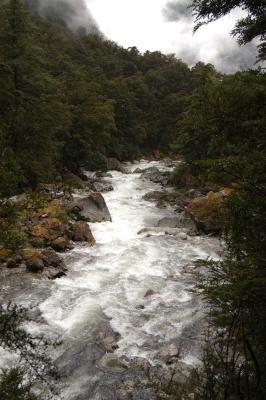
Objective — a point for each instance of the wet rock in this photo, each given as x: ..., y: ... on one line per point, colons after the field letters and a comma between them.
x: 156, y: 176
x: 170, y: 354
x: 91, y: 208
x: 182, y: 220
x: 163, y: 231
x: 58, y: 275
x: 102, y: 187
x: 182, y: 236
x: 52, y: 259
x: 61, y: 244
x: 168, y: 162
x: 163, y: 199
x: 149, y: 293
x: 169, y: 222
x: 79, y: 359
x: 100, y: 174
x: 114, y: 165
x: 138, y: 171
x: 205, y: 212
x: 113, y: 363
x: 124, y: 388
x: 80, y: 232
x: 35, y: 264
x: 108, y: 338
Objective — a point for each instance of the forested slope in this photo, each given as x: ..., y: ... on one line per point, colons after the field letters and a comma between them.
x: 72, y: 99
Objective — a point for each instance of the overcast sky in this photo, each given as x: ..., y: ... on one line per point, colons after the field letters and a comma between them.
x: 167, y: 26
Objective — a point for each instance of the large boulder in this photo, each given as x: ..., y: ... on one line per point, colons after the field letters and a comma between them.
x: 54, y: 265
x: 102, y: 186
x: 33, y: 260
x: 205, y: 211
x: 52, y: 259
x: 61, y: 244
x: 115, y: 165
x: 156, y: 176
x: 80, y: 232
x: 169, y: 222
x: 182, y: 220
x: 91, y: 208
x: 163, y: 199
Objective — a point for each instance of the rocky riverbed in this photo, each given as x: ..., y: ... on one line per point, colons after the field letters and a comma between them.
x: 124, y: 310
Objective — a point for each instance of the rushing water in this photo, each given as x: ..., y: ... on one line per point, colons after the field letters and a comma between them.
x: 110, y: 280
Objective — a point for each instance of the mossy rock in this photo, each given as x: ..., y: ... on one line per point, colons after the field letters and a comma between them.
x: 5, y: 253
x: 114, y: 165
x: 80, y: 232
x: 30, y: 253
x: 54, y: 210
x: 205, y: 211
x: 49, y: 229
x: 61, y: 244
x: 72, y: 180
x: 33, y: 259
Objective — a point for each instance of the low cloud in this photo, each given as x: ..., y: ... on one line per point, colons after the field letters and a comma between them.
x: 178, y: 10
x: 74, y: 13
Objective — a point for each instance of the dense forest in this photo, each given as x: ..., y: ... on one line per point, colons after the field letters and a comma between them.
x: 72, y: 100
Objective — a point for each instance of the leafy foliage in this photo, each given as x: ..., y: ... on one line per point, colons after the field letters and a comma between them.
x: 34, y: 365
x: 222, y: 136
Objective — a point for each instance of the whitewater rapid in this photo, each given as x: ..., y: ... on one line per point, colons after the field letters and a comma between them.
x: 111, y: 279
x: 108, y: 282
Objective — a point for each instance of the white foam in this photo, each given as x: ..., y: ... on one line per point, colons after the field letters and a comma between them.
x: 114, y: 276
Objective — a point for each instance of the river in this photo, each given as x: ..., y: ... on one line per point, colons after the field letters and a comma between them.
x: 107, y: 283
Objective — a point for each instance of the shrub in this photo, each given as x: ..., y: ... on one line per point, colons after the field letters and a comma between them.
x: 14, y: 387
x: 178, y: 173
x: 97, y: 162
x: 11, y: 236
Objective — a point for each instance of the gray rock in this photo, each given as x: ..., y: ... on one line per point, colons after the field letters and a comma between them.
x: 58, y: 275
x: 182, y: 236
x: 35, y: 264
x: 80, y: 232
x: 91, y: 208
x: 169, y: 222
x: 52, y: 259
x: 100, y: 174
x: 102, y: 187
x: 108, y: 338
x: 182, y: 220
x: 168, y: 162
x: 156, y: 176
x: 138, y: 171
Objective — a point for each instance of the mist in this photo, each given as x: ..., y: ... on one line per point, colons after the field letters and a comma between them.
x: 74, y: 13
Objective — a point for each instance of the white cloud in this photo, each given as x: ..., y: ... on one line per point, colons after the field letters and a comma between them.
x: 142, y: 23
